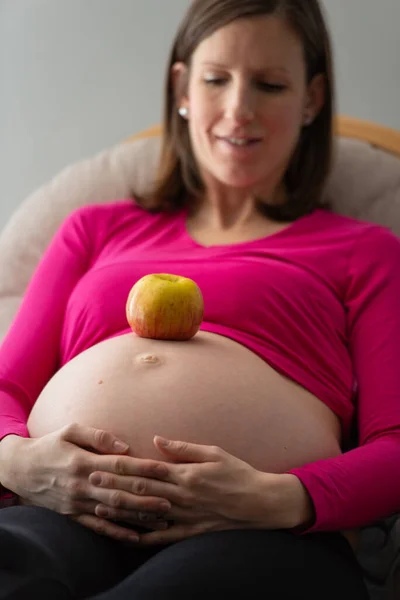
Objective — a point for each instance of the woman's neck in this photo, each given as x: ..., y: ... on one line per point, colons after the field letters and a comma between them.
x: 232, y: 211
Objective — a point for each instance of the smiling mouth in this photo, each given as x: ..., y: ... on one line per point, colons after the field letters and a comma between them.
x: 239, y: 142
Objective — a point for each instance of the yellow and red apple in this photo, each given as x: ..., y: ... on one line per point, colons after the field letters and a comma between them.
x: 165, y: 307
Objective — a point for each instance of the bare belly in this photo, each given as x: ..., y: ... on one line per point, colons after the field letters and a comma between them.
x: 209, y: 390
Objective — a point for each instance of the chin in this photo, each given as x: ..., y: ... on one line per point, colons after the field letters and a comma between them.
x: 241, y: 182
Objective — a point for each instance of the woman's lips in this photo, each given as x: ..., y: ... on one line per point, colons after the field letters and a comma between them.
x: 238, y: 151
x: 241, y: 138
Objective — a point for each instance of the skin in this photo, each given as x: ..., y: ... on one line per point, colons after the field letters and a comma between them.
x: 210, y: 490
x: 247, y: 79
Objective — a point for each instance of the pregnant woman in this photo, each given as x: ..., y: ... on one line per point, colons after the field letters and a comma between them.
x: 222, y: 462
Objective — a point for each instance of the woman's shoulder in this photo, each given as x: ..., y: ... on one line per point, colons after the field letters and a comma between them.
x: 371, y: 245
x: 360, y: 229
x: 92, y: 224
x: 99, y: 217
x: 108, y: 210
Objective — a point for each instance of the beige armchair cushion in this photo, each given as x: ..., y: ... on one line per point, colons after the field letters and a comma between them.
x: 365, y: 183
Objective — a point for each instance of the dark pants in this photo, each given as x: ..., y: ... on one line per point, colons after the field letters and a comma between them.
x: 48, y: 556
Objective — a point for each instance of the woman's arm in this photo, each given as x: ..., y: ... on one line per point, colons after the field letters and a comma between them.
x: 29, y: 353
x: 363, y: 485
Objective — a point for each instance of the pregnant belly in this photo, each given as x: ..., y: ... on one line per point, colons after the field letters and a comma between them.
x: 209, y: 390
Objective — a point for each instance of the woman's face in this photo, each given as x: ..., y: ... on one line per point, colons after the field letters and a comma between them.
x: 247, y: 101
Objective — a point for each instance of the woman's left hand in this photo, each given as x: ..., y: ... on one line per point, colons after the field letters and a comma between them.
x: 210, y: 490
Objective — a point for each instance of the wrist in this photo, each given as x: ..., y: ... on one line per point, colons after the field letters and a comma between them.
x: 7, y: 445
x: 9, y: 448
x: 298, y: 504
x: 288, y: 500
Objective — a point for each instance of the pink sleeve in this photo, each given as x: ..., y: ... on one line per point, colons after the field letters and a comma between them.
x: 363, y: 485
x: 29, y: 354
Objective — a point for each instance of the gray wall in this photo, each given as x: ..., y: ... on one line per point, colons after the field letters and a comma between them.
x: 80, y: 75
x: 366, y: 43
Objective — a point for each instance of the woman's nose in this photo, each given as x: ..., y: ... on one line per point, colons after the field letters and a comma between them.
x: 240, y: 106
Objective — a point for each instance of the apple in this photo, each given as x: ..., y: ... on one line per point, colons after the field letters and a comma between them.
x: 165, y: 307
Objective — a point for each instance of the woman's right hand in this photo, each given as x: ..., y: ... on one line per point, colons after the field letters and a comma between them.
x: 53, y: 471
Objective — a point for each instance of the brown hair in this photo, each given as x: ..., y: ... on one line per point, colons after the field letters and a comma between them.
x: 178, y: 176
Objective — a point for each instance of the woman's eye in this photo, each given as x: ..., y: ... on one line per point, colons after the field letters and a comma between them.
x: 271, y: 87
x: 262, y: 85
x: 215, y: 81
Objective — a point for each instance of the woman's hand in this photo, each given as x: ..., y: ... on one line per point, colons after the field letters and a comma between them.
x: 212, y: 490
x: 53, y: 471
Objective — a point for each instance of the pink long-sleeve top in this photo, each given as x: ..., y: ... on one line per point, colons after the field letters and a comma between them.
x: 318, y: 301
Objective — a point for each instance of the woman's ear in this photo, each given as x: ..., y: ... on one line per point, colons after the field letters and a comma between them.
x: 315, y: 97
x: 179, y: 80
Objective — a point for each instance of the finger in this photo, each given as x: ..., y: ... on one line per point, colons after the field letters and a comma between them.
x: 138, y: 486
x: 79, y: 507
x: 77, y: 499
x: 185, y: 451
x: 178, y: 532
x: 90, y: 437
x: 128, y: 465
x: 148, y: 520
x: 186, y: 515
x: 115, y: 498
x: 106, y: 528
x: 174, y: 533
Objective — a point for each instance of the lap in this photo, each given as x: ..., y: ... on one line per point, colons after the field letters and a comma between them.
x: 214, y: 564
x: 53, y: 546
x: 39, y: 545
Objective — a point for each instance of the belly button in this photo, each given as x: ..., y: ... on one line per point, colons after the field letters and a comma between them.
x: 150, y: 359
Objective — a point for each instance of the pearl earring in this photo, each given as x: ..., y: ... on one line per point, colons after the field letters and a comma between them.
x: 308, y: 121
x: 183, y: 112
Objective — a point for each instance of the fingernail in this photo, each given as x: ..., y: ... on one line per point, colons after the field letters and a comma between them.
x: 133, y: 538
x: 95, y: 479
x: 164, y: 506
x: 101, y: 511
x: 162, y: 441
x: 120, y: 446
